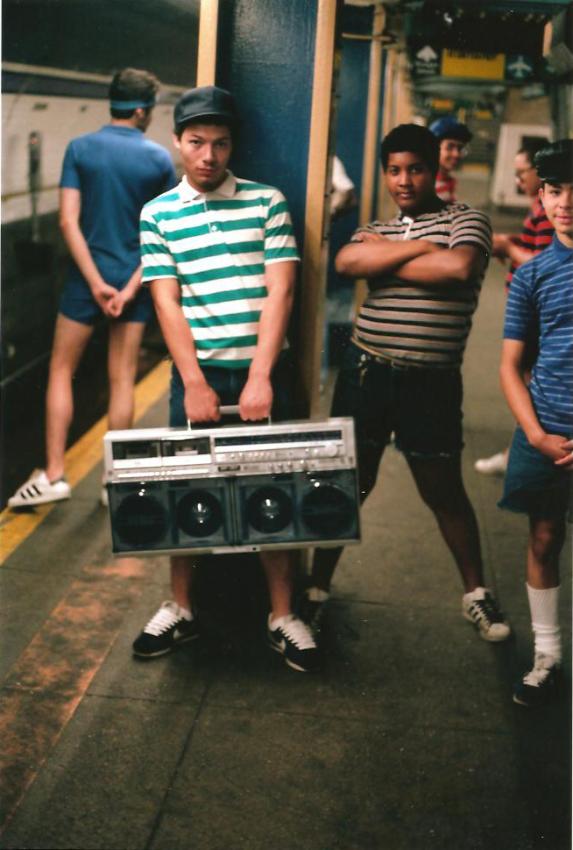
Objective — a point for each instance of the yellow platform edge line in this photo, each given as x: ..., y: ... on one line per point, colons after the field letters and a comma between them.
x: 81, y: 458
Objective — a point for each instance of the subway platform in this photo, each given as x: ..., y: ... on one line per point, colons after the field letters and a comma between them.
x: 408, y: 739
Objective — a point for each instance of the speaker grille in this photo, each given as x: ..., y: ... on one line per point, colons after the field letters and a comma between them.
x: 269, y: 510
x: 199, y: 514
x: 327, y: 510
x: 141, y: 520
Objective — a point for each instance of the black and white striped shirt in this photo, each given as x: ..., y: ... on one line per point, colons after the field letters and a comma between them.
x: 423, y: 325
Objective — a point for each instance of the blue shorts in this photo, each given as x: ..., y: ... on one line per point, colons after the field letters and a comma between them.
x: 229, y: 383
x: 533, y: 484
x: 77, y: 303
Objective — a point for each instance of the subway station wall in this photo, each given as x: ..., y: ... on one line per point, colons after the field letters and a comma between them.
x: 102, y: 37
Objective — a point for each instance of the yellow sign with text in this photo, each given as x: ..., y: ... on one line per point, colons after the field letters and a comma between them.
x: 442, y: 103
x: 477, y: 66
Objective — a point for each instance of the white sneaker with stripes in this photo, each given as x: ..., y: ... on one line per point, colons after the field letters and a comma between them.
x: 38, y: 490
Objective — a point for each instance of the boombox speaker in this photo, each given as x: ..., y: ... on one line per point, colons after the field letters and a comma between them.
x: 239, y: 488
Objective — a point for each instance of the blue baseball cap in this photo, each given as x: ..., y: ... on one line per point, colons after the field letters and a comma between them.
x: 449, y: 127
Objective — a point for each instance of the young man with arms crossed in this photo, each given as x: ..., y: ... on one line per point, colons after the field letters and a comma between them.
x: 536, y: 235
x: 402, y: 371
x: 220, y: 258
x: 107, y: 176
x: 540, y: 468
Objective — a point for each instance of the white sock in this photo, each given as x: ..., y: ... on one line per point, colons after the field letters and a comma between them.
x: 476, y: 594
x: 316, y: 594
x: 543, y: 605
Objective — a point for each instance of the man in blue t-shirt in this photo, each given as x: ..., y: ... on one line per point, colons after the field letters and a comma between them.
x: 107, y: 177
x: 540, y: 466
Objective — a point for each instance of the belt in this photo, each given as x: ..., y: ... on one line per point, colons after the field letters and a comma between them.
x: 389, y: 361
x: 385, y: 360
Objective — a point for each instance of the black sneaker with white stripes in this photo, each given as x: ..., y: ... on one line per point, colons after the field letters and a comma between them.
x: 480, y: 608
x: 541, y: 685
x: 293, y: 639
x: 166, y: 630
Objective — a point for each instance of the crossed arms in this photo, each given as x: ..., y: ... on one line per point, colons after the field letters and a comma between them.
x: 201, y: 401
x: 418, y: 260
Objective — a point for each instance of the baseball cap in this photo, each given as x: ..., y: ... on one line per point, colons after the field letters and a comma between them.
x: 205, y: 102
x: 554, y: 163
x: 449, y: 127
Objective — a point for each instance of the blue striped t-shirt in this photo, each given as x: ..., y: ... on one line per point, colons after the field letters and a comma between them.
x: 542, y: 290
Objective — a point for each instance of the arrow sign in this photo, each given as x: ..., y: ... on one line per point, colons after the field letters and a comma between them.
x: 426, y: 61
x: 427, y: 54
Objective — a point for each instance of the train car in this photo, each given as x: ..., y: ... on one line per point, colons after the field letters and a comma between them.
x: 55, y: 81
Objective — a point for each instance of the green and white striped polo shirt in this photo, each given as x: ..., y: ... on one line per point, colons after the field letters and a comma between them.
x: 217, y: 245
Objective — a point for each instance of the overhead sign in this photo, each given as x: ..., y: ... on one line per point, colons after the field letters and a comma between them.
x: 426, y: 61
x: 442, y: 104
x: 518, y: 67
x: 476, y: 66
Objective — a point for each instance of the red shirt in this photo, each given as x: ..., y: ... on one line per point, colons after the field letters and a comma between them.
x: 446, y: 186
x: 536, y: 235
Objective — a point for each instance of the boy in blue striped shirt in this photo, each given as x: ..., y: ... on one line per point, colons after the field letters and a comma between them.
x: 540, y: 468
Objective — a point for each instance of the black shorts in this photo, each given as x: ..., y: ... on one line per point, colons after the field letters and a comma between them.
x: 421, y: 407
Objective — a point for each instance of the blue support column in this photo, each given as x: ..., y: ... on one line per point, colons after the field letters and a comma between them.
x: 352, y: 91
x: 266, y: 58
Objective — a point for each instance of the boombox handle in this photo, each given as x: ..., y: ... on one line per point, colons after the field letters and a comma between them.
x: 224, y: 410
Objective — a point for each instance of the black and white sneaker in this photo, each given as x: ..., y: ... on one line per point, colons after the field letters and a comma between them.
x: 311, y: 607
x: 39, y: 490
x: 293, y: 639
x: 166, y: 630
x: 480, y: 608
x: 541, y: 685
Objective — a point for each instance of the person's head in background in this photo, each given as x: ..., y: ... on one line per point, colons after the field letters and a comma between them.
x: 526, y: 177
x: 132, y: 95
x: 454, y: 138
x: 554, y: 166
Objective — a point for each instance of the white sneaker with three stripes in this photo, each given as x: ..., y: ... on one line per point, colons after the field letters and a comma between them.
x: 38, y: 490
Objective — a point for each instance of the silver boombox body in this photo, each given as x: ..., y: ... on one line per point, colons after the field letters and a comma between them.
x: 237, y: 488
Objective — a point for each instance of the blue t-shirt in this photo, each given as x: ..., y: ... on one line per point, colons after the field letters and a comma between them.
x: 542, y: 290
x: 117, y: 170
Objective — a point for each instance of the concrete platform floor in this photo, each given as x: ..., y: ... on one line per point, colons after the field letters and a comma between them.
x: 408, y: 740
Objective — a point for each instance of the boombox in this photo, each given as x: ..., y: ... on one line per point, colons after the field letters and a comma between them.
x: 237, y: 488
